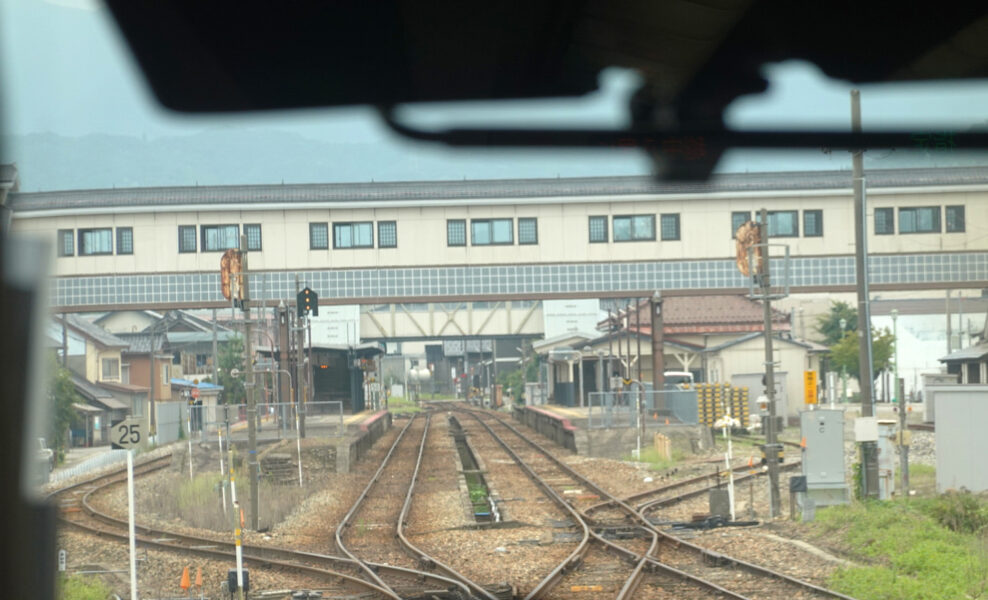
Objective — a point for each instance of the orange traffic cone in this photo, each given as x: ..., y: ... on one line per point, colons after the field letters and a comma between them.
x: 199, y: 577
x: 185, y: 584
x: 667, y: 421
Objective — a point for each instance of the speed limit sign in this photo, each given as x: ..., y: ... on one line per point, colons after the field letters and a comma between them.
x: 128, y: 433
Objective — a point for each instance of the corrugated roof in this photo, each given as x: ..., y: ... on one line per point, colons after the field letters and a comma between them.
x: 412, y: 191
x: 973, y: 353
x: 94, y: 332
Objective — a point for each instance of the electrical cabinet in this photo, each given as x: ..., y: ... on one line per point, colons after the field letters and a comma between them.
x: 822, y: 433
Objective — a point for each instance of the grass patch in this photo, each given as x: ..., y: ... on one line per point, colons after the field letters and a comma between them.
x: 922, y: 479
x: 198, y: 502
x: 82, y: 587
x: 656, y: 462
x: 923, y: 548
x: 398, y: 405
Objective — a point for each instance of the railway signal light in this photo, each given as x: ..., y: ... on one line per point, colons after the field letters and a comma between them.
x: 307, y: 303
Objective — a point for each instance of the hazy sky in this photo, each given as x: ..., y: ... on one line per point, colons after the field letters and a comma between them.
x: 64, y: 69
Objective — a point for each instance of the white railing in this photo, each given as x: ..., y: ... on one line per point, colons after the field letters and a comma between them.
x: 99, y: 461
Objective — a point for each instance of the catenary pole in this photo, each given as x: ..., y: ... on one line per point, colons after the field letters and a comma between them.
x: 869, y: 449
x: 771, y: 433
x: 251, y: 388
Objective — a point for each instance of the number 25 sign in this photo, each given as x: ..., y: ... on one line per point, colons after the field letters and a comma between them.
x: 128, y: 433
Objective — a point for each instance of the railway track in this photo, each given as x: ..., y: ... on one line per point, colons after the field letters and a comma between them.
x: 669, y: 564
x: 607, y: 562
x: 343, y: 575
x: 373, y: 529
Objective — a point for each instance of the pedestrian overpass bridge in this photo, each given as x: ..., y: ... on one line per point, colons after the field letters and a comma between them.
x: 440, y: 245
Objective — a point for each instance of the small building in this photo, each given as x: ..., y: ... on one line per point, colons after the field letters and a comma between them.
x: 101, y: 408
x: 970, y: 365
x: 716, y: 338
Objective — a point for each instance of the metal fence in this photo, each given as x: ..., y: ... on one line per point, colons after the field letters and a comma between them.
x: 275, y: 421
x: 620, y: 409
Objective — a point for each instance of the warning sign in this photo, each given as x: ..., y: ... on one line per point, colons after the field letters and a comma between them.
x: 809, y: 387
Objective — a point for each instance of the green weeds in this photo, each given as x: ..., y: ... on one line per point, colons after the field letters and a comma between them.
x: 916, y: 549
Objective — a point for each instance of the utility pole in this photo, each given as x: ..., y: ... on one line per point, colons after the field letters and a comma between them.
x: 869, y: 449
x: 285, y: 392
x: 950, y: 333
x: 900, y: 398
x: 658, y: 351
x: 771, y: 433
x: 216, y: 373
x: 250, y: 385
x: 65, y: 342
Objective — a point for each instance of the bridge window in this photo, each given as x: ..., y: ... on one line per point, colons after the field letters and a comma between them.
x: 66, y: 242
x: 528, y: 231
x: 217, y: 238
x: 486, y: 232
x: 925, y: 219
x: 125, y: 240
x: 955, y: 219
x: 95, y: 241
x: 670, y: 227
x: 782, y: 223
x: 353, y: 235
x: 253, y: 233
x: 186, y: 238
x: 318, y: 236
x: 884, y: 221
x: 456, y: 232
x: 387, y: 234
x: 812, y: 223
x: 634, y: 228
x: 738, y: 219
x: 598, y: 230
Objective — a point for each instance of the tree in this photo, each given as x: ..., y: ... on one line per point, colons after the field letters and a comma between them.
x: 828, y: 325
x: 231, y: 356
x: 844, y: 354
x: 63, y: 395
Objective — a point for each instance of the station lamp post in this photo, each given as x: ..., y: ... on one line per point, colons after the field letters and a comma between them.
x: 843, y: 369
x: 895, y: 356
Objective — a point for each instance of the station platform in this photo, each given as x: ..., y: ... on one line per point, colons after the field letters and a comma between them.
x: 571, y: 427
x: 359, y: 417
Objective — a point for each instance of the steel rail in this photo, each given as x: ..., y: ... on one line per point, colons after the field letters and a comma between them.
x: 574, y: 558
x: 210, y: 549
x: 716, y: 557
x: 634, y: 579
x: 670, y: 500
x: 259, y: 555
x: 345, y: 523
x: 424, y: 558
x: 679, y: 484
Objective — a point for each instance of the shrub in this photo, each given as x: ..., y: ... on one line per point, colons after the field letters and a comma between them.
x: 960, y: 511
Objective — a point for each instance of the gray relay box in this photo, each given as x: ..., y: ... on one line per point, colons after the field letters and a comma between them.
x: 823, y: 456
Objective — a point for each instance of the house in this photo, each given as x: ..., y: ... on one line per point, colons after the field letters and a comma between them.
x: 970, y: 364
x: 717, y: 338
x: 100, y: 376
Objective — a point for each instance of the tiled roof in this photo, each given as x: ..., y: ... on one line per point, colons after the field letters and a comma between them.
x: 94, y: 332
x: 94, y: 392
x: 412, y: 191
x: 141, y: 342
x: 726, y: 313
x: 716, y: 309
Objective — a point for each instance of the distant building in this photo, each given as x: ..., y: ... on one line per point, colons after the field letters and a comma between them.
x: 717, y: 338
